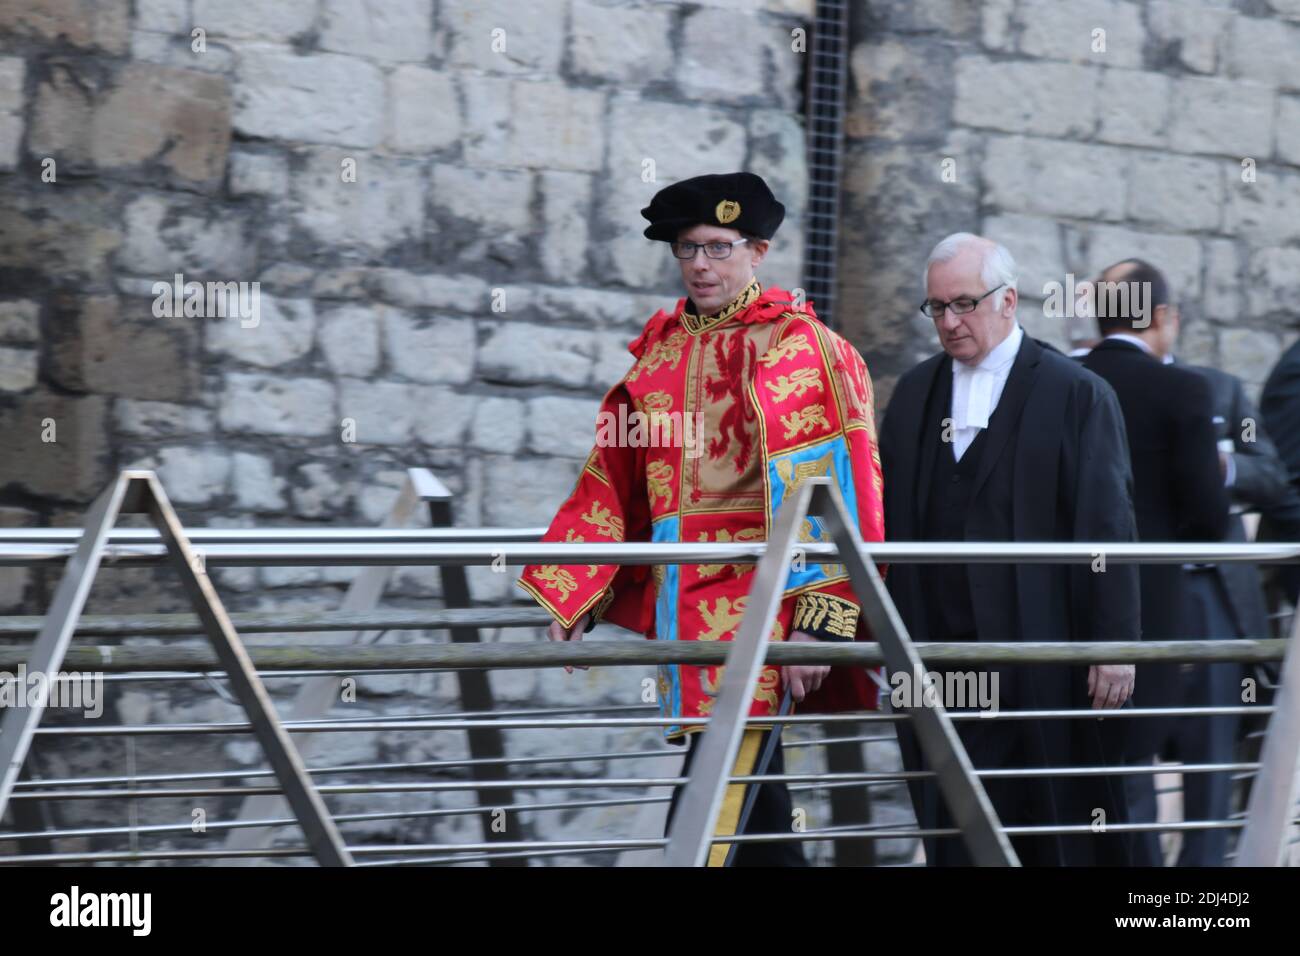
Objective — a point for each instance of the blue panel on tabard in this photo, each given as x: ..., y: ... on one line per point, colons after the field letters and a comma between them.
x: 669, y: 530
x: 784, y: 470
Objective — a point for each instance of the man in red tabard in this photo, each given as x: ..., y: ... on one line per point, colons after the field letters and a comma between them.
x: 755, y: 395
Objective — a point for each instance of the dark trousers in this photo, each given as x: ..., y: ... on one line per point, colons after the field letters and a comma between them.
x: 1017, y: 801
x: 1195, y: 740
x: 1140, y: 790
x: 1208, y: 796
x: 1035, y: 799
x: 772, y: 813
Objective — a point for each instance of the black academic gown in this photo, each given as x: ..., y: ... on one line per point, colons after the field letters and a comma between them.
x: 1054, y: 467
x: 1262, y: 484
x: 1279, y: 404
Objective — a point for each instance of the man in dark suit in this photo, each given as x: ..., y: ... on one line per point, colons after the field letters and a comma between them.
x: 1257, y: 480
x: 1002, y: 438
x: 1227, y: 601
x: 1179, y: 482
x: 1279, y: 404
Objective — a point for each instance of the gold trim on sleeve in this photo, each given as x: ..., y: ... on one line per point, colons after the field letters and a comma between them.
x: 823, y: 614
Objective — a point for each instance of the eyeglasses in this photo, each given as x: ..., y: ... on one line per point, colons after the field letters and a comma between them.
x: 714, y: 250
x: 959, y: 306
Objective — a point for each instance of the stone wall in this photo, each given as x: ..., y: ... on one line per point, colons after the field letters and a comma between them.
x: 1078, y: 134
x: 440, y: 200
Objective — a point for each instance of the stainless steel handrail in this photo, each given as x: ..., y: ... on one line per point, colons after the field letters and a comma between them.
x: 368, y: 547
x: 530, y: 552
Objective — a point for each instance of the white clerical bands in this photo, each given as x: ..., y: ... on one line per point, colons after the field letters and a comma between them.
x: 979, y: 398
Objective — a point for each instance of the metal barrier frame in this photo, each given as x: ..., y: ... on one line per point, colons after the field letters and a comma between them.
x: 141, y: 492
x: 692, y: 832
x: 1271, y: 804
x: 1276, y: 787
x: 485, y: 743
x: 317, y: 695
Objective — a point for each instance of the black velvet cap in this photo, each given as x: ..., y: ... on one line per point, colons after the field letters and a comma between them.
x: 738, y: 201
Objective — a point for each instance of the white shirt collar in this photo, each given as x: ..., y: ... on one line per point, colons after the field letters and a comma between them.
x: 976, y: 389
x: 1132, y: 340
x: 999, y: 357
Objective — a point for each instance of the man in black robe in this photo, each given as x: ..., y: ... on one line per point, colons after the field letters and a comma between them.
x: 1228, y: 601
x: 1279, y: 404
x: 1002, y: 438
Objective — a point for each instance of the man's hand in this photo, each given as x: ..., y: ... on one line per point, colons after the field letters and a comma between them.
x: 803, y: 679
x: 1110, y: 685
x: 556, y: 633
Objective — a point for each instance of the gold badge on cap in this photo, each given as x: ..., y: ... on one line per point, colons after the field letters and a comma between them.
x: 728, y: 211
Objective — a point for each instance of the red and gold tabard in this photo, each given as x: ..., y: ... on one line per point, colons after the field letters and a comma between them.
x: 779, y: 398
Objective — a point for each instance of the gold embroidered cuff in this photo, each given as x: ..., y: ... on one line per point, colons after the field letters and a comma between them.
x: 825, y: 617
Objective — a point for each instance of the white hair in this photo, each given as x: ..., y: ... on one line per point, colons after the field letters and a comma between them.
x: 997, y: 268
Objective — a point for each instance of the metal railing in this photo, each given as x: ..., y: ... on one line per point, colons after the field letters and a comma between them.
x: 191, y: 552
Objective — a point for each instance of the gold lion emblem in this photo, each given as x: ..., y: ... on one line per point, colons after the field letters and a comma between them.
x: 728, y: 211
